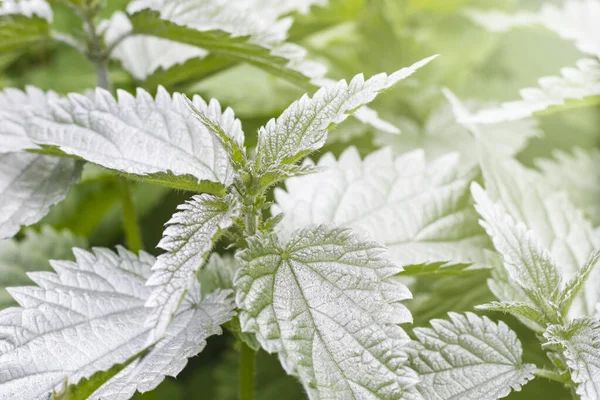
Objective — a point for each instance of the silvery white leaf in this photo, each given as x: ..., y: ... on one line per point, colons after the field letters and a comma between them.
x: 468, y: 357
x: 302, y: 127
x: 141, y: 55
x: 29, y: 185
x: 188, y: 239
x: 528, y: 263
x: 328, y: 302
x: 13, y: 111
x: 554, y: 221
x: 420, y: 210
x: 580, y: 341
x: 137, y: 135
x: 17, y: 257
x: 29, y: 8
x: 578, y: 173
x: 90, y: 316
x: 575, y: 84
x: 442, y: 133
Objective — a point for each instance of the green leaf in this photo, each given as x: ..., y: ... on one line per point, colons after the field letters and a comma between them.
x: 468, y: 357
x: 516, y: 308
x: 190, y: 71
x: 19, y: 32
x: 32, y: 253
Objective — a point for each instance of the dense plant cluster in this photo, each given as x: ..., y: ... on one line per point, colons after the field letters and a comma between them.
x: 404, y: 235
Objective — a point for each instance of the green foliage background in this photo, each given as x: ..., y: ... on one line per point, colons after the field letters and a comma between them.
x: 350, y: 36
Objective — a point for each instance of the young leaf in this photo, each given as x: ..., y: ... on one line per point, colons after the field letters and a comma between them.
x: 580, y: 341
x: 88, y: 317
x: 572, y: 288
x: 302, y: 127
x: 29, y: 185
x: 420, y: 211
x: 328, y: 302
x: 577, y: 173
x: 468, y: 357
x: 136, y: 135
x: 32, y: 254
x: 23, y: 23
x: 556, y: 224
x: 188, y: 239
x: 528, y: 263
x: 576, y: 87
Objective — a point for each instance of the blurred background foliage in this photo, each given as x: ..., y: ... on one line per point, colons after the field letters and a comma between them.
x: 349, y: 36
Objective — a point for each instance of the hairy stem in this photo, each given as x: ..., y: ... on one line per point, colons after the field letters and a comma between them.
x: 247, y: 361
x: 130, y: 221
x: 551, y: 375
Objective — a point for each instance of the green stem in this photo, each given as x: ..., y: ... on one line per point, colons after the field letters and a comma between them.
x: 551, y: 375
x: 130, y: 222
x: 99, y: 57
x: 247, y: 361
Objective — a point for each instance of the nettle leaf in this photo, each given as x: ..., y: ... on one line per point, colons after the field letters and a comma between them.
x: 29, y: 185
x: 24, y: 23
x: 528, y: 263
x: 468, y: 357
x: 419, y: 210
x: 188, y: 239
x: 556, y: 224
x: 302, y: 127
x: 32, y: 254
x: 13, y: 106
x: 220, y: 34
x: 156, y: 138
x: 575, y: 20
x: 143, y: 55
x: 577, y: 173
x: 88, y: 317
x: 580, y: 341
x: 576, y: 87
x: 328, y: 302
x: 441, y: 133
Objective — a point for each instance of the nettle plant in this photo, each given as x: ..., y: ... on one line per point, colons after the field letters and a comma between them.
x: 321, y: 273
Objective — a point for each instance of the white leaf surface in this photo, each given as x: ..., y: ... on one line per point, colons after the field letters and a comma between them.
x: 441, y: 133
x: 575, y: 84
x: 14, y: 104
x: 302, y: 127
x: 555, y: 222
x: 526, y: 260
x: 575, y: 20
x: 90, y: 316
x: 188, y: 239
x: 578, y: 173
x: 419, y: 210
x: 328, y: 302
x: 29, y: 185
x: 468, y: 357
x: 580, y: 341
x: 141, y: 55
x: 29, y: 8
x: 137, y: 135
x: 259, y: 21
